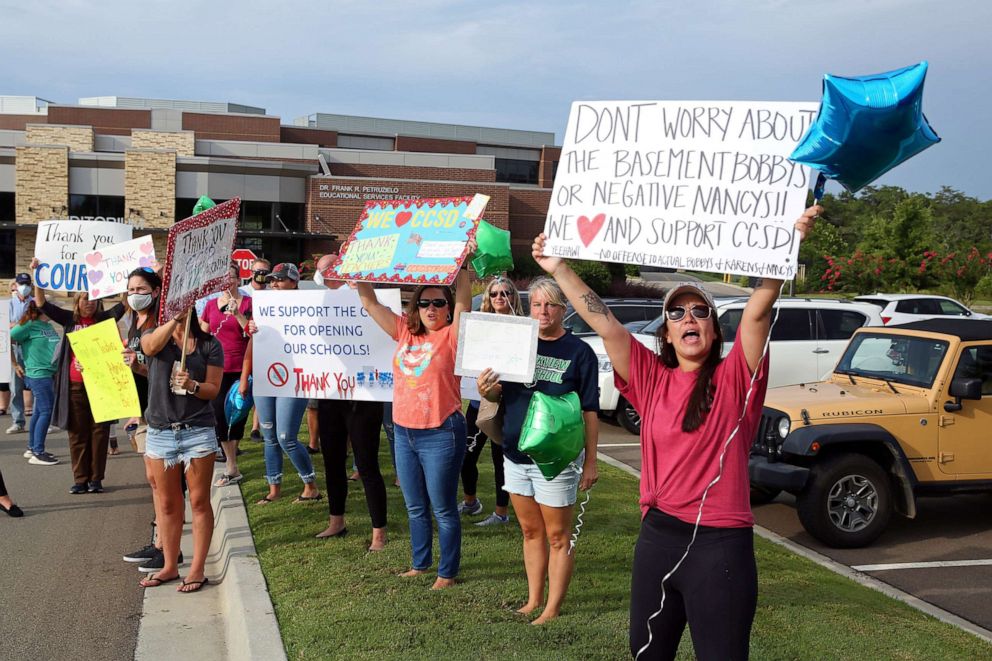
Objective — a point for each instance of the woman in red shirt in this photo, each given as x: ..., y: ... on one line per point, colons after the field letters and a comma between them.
x: 695, y: 407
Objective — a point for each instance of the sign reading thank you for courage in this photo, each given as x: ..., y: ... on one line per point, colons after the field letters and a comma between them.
x: 700, y: 185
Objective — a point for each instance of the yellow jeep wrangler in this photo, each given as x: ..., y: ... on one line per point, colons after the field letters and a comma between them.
x: 906, y: 412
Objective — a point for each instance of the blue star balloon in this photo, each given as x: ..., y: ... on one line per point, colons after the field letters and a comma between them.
x: 866, y: 126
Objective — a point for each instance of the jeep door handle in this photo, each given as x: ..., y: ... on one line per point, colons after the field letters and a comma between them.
x: 821, y: 350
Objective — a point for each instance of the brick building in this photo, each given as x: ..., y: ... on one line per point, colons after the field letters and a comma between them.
x: 146, y: 161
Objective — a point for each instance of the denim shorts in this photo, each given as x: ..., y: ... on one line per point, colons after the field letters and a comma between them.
x: 180, y: 445
x: 527, y: 480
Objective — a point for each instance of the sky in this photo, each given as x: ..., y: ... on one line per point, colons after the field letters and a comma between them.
x: 512, y: 64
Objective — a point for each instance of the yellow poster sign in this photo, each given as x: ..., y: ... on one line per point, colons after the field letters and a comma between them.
x: 109, y: 382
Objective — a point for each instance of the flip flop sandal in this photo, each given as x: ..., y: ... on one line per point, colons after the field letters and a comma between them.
x: 226, y: 480
x: 154, y: 582
x: 199, y: 585
x: 308, y: 499
x: 265, y: 500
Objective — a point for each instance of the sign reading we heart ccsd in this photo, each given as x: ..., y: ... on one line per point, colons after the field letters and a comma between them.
x: 107, y: 269
x: 409, y: 241
x: 61, y: 247
x: 698, y: 185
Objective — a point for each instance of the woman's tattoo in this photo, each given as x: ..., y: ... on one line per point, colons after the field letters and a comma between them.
x: 595, y: 304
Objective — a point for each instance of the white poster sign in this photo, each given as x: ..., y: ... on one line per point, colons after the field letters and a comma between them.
x: 61, y: 246
x: 5, y: 366
x: 107, y: 269
x: 321, y: 345
x: 697, y: 185
x: 503, y: 342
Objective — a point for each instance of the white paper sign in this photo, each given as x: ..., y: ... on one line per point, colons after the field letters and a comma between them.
x: 697, y: 185
x: 61, y: 246
x: 5, y: 365
x: 321, y: 345
x: 503, y: 342
x: 107, y: 269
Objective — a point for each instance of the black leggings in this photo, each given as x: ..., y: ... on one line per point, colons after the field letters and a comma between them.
x: 236, y: 431
x: 470, y: 471
x: 715, y: 589
x: 338, y: 421
x: 3, y: 487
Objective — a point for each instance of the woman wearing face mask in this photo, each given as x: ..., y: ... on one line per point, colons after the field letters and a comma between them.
x: 499, y: 297
x: 226, y: 318
x: 37, y: 340
x: 695, y: 406
x: 429, y: 425
x: 88, y: 440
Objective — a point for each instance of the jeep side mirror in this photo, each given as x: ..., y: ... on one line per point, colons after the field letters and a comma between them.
x: 963, y: 389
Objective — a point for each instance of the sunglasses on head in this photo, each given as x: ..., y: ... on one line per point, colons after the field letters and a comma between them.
x: 425, y: 303
x: 495, y: 293
x: 677, y: 312
x: 146, y: 269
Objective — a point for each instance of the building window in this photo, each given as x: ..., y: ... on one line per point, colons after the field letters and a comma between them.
x: 96, y: 206
x: 8, y: 238
x: 516, y: 171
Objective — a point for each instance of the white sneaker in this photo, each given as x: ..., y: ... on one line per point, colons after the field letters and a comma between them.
x: 15, y: 429
x: 43, y: 459
x: 52, y: 429
x: 494, y: 519
x: 28, y: 454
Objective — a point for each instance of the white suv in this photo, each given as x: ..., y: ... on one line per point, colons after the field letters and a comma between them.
x: 807, y: 340
x: 903, y: 308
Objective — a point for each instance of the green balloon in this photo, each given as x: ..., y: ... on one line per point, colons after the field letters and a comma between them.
x: 493, y: 253
x: 203, y: 204
x: 553, y: 433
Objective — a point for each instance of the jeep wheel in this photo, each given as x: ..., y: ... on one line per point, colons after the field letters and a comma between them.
x: 628, y: 417
x: 761, y: 495
x: 847, y: 502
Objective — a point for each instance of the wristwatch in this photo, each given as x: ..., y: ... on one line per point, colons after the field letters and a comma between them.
x: 196, y: 388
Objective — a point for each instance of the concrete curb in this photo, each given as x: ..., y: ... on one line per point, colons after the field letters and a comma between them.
x: 233, y: 617
x: 847, y: 572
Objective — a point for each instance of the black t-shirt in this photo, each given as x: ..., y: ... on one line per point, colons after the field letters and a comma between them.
x: 564, y: 365
x: 166, y: 408
x: 140, y: 380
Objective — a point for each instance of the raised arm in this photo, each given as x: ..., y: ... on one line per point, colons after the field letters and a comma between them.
x: 155, y: 341
x: 39, y: 293
x: 756, y: 317
x: 463, y: 295
x: 616, y: 338
x: 382, y: 315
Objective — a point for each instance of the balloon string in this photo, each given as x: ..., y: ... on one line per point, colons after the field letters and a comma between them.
x: 475, y: 439
x: 578, y: 525
x: 699, y: 513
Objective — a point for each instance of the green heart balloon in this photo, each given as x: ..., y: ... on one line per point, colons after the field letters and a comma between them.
x: 493, y: 253
x: 203, y: 204
x: 553, y: 433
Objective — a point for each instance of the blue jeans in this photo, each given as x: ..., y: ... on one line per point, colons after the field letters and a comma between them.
x: 429, y: 462
x: 43, y: 391
x: 279, y: 420
x: 16, y: 398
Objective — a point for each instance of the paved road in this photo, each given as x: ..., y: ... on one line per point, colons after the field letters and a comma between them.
x: 65, y: 592
x: 953, y: 528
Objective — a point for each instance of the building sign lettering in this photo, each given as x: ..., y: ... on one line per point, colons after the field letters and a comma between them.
x: 360, y: 193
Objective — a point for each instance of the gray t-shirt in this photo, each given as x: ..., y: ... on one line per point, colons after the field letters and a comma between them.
x: 166, y: 408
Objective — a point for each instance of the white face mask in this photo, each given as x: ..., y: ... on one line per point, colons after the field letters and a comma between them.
x: 139, y: 302
x: 24, y: 290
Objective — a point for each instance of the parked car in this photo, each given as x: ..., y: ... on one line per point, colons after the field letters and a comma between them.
x: 806, y: 340
x: 626, y: 310
x: 905, y: 413
x: 903, y: 308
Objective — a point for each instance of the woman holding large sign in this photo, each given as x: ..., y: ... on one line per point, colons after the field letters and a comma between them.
x: 184, y: 374
x: 695, y: 408
x: 565, y: 365
x: 427, y: 415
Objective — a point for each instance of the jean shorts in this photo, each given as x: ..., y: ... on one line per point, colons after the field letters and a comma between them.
x: 527, y: 480
x: 180, y: 444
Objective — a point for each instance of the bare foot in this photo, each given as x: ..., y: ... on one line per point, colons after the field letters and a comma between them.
x: 410, y: 573
x: 528, y: 608
x: 545, y: 617
x: 332, y: 531
x: 442, y: 583
x: 378, y: 540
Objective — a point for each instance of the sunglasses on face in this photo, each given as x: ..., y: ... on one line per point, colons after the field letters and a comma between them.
x: 425, y: 303
x: 677, y: 312
x: 497, y: 294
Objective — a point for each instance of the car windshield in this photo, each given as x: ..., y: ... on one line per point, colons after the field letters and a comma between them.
x: 912, y: 361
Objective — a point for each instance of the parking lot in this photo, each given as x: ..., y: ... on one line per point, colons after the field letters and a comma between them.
x: 943, y: 556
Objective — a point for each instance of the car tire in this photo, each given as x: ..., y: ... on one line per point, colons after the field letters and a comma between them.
x: 628, y: 417
x: 847, y: 502
x: 761, y: 495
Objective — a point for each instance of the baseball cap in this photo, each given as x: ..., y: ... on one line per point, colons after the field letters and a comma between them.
x: 285, y: 271
x: 687, y: 288
x: 23, y: 279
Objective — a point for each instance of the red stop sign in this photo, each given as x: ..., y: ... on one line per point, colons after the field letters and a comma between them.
x: 244, y: 258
